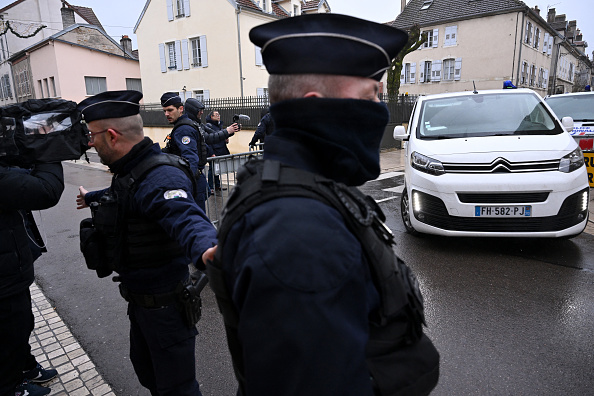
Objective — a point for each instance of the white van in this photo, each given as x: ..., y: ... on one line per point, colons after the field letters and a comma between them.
x: 580, y: 107
x: 492, y: 163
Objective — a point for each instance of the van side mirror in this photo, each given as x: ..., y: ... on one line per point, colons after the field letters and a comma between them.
x: 400, y: 133
x: 567, y: 123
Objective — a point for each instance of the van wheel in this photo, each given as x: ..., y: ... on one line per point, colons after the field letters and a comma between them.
x: 406, y: 213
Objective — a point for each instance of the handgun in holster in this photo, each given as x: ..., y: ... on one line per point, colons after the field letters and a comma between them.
x: 191, y: 301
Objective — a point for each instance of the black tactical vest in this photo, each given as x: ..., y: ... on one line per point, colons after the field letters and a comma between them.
x: 172, y: 148
x: 401, y: 359
x: 132, y: 241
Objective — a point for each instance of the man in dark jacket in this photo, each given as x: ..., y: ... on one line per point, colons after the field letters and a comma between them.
x: 302, y: 301
x: 214, y: 126
x: 21, y: 192
x: 187, y: 141
x: 150, y: 228
x: 264, y: 128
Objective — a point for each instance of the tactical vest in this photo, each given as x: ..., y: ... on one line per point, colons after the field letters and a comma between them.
x: 172, y: 148
x: 401, y: 359
x: 130, y: 241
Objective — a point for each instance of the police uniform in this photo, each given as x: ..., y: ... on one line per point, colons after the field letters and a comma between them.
x: 297, y: 290
x: 162, y: 230
x: 184, y: 142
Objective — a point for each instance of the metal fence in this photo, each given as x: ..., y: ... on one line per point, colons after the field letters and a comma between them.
x: 224, y: 168
x: 400, y: 108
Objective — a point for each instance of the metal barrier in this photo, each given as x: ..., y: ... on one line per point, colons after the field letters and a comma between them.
x: 224, y: 169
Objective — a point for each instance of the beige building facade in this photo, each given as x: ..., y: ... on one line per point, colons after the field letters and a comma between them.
x: 201, y: 48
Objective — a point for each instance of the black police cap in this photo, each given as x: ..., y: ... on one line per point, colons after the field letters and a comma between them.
x: 328, y: 44
x: 110, y: 104
x: 170, y: 99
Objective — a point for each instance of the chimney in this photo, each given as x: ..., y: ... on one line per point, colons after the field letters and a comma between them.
x: 402, y: 5
x: 551, y: 15
x: 67, y: 16
x: 126, y: 43
x: 537, y: 10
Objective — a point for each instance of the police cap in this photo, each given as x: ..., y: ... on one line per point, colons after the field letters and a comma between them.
x: 170, y: 99
x: 110, y: 104
x: 328, y: 44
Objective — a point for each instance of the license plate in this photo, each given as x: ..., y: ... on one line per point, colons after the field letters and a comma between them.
x: 503, y: 211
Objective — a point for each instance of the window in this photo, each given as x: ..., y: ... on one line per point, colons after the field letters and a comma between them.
x: 171, y: 55
x: 536, y: 38
x: 426, y: 4
x: 40, y: 89
x: 262, y: 92
x: 53, y: 85
x: 295, y: 10
x: 426, y: 73
x: 528, y: 35
x: 196, y: 52
x: 524, y: 75
x: 448, y: 69
x: 450, y: 35
x: 432, y: 36
x: 540, y: 82
x: 134, y: 84
x: 95, y: 85
x: 532, y: 75
x: 22, y: 81
x: 407, y: 73
x: 202, y: 95
x: 2, y: 50
x: 180, y: 8
x: 6, y: 90
x: 46, y: 85
x: 259, y: 61
x: 177, y: 8
x: 570, y: 76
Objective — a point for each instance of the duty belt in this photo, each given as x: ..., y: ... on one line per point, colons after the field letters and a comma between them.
x: 151, y: 300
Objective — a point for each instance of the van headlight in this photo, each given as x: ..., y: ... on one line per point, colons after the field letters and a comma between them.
x: 572, y: 161
x: 426, y: 164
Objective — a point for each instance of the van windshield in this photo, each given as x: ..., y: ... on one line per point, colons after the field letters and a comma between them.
x: 579, y: 107
x: 485, y: 115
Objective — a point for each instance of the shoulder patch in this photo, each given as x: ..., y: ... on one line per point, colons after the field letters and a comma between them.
x: 185, y: 140
x: 172, y: 194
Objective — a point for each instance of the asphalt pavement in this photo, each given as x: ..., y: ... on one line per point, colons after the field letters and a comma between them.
x: 56, y: 346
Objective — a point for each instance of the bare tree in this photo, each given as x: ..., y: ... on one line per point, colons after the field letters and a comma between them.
x: 415, y: 40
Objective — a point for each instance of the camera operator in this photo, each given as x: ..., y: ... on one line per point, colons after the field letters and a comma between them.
x: 20, y: 192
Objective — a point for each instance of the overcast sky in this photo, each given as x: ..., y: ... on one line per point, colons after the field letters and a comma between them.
x: 118, y: 17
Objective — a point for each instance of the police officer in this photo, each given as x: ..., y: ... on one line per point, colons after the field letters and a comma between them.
x: 264, y: 128
x: 186, y: 140
x: 303, y: 312
x: 147, y: 227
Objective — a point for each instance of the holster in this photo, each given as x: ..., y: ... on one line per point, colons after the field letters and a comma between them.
x: 190, y: 298
x: 92, y: 246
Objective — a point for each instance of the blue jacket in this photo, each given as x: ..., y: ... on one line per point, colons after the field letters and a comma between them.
x: 214, y: 128
x: 186, y: 140
x: 177, y: 214
x: 298, y: 277
x: 39, y: 189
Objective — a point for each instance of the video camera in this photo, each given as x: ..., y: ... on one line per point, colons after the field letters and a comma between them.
x: 240, y: 117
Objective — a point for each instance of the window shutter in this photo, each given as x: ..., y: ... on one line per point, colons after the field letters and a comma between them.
x: 187, y: 8
x: 436, y: 70
x: 169, y: 10
x: 446, y: 37
x: 185, y: 54
x: 545, y: 43
x: 457, y: 69
x: 546, y: 79
x: 260, y: 92
x: 162, y: 58
x: 258, y: 56
x: 421, y: 75
x: 453, y: 35
x: 435, y: 37
x: 550, y: 45
x: 413, y: 69
x: 203, y: 51
x: 178, y: 55
x: 402, y: 75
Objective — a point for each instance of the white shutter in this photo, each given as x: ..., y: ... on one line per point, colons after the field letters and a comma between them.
x: 527, y: 33
x: 178, y: 55
x: 162, y: 58
x: 185, y: 54
x: 421, y: 73
x: 203, y: 51
x: 187, y: 7
x: 260, y: 92
x: 457, y: 69
x: 169, y: 10
x: 206, y: 94
x: 258, y: 56
x: 550, y: 45
x: 413, y: 69
x: 446, y: 37
x: 546, y: 79
x: 453, y: 35
x: 435, y: 37
x: 402, y: 74
x: 545, y: 43
x: 436, y: 70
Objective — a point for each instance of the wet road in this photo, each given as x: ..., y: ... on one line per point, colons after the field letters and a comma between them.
x: 509, y: 316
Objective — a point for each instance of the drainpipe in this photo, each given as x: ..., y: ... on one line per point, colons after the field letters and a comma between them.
x: 239, y: 50
x: 522, y: 29
x: 515, y: 48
